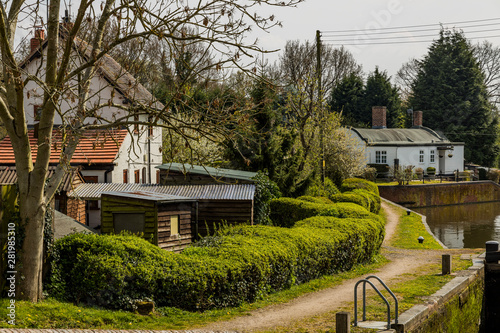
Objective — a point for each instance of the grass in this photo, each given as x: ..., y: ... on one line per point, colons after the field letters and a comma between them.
x: 410, y: 227
x: 410, y: 289
x: 381, y: 182
x: 51, y: 313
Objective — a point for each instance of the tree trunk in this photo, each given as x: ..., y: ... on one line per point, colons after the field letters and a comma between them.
x: 30, y: 279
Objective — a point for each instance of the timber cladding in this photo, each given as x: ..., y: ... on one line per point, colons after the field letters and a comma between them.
x: 212, y: 213
x: 152, y: 218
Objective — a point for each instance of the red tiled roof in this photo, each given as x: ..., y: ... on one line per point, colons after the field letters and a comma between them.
x: 71, y: 179
x: 95, y: 147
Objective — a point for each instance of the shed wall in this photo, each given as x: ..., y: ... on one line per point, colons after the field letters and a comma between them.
x: 212, y: 213
x: 185, y: 237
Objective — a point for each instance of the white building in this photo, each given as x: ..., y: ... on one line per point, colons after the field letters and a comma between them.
x: 418, y: 146
x: 139, y: 147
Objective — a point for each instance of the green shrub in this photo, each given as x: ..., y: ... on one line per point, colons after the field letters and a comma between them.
x: 320, y: 200
x: 286, y: 211
x: 373, y: 199
x: 320, y: 190
x: 265, y: 191
x: 352, y: 197
x: 358, y: 183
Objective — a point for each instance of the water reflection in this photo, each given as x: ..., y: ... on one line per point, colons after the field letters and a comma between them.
x: 464, y: 226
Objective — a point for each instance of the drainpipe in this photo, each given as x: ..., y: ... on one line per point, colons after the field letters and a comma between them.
x: 149, y: 159
x: 110, y: 169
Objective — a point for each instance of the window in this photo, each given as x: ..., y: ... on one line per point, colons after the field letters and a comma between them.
x: 381, y: 157
x: 174, y: 225
x: 157, y: 176
x: 421, y: 157
x: 137, y: 176
x: 133, y: 222
x: 144, y: 175
x: 91, y: 179
x: 125, y: 176
x: 432, y: 156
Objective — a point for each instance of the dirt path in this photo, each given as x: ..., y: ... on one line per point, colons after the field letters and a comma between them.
x: 309, y: 305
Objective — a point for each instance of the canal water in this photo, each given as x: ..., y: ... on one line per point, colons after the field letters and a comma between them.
x: 464, y: 226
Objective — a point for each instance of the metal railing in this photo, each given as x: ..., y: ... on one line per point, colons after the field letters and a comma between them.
x: 364, y: 282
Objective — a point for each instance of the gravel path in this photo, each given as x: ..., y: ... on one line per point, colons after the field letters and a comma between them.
x: 316, y: 303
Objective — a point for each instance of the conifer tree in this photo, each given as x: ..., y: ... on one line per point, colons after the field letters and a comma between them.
x: 451, y: 92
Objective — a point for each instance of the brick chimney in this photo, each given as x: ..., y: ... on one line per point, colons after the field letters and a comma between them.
x: 379, y: 117
x: 417, y: 119
x: 39, y: 37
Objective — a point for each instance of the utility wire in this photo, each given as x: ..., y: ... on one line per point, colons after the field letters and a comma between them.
x: 403, y: 37
x: 368, y: 32
x: 412, y: 26
x: 364, y: 42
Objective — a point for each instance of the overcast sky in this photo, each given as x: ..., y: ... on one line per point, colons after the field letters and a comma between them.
x: 365, y: 17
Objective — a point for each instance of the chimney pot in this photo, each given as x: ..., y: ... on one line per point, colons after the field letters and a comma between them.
x: 37, y: 39
x: 379, y: 117
x: 417, y: 119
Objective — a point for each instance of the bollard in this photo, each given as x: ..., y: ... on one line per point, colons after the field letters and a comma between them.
x: 343, y: 322
x: 446, y: 264
x: 492, y: 253
x: 491, y: 246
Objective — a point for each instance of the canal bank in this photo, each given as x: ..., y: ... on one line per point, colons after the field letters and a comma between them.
x: 430, y: 195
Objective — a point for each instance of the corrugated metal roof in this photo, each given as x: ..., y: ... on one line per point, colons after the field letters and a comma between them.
x: 94, y: 147
x: 209, y: 171
x: 200, y: 192
x: 8, y: 175
x: 147, y: 195
x: 422, y: 135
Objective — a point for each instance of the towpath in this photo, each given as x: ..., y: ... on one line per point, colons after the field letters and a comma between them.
x: 328, y: 300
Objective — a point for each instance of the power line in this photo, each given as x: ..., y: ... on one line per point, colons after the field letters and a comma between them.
x: 412, y: 26
x: 403, y: 37
x: 368, y: 32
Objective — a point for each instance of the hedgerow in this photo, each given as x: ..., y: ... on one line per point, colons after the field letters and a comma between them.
x: 237, y: 264
x: 351, y: 184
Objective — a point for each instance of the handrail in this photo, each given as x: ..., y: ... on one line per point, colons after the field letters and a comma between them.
x: 365, y: 281
x: 390, y: 292
x: 379, y: 293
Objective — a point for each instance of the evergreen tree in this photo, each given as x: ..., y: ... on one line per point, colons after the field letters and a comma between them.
x: 451, y: 92
x: 347, y: 97
x: 380, y: 92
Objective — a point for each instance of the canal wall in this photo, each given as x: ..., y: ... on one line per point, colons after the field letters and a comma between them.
x: 455, y: 307
x: 429, y: 195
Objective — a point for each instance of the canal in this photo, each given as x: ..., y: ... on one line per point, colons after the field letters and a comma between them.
x: 464, y: 226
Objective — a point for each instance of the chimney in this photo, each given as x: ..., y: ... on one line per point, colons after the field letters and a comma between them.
x: 39, y: 37
x: 417, y: 119
x: 379, y: 117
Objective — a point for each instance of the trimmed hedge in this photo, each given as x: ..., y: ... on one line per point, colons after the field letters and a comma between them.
x: 358, y: 183
x: 320, y: 200
x: 286, y: 211
x: 238, y: 264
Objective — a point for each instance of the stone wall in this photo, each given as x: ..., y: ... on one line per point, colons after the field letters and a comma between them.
x: 454, y: 308
x: 441, y: 194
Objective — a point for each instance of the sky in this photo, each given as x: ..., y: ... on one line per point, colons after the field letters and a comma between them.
x: 367, y: 20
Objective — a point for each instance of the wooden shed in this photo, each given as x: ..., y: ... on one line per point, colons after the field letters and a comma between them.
x: 183, y: 174
x: 217, y: 203
x: 168, y: 221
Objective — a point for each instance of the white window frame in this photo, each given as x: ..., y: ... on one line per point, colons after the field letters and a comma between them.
x: 381, y: 157
x: 421, y: 156
x: 432, y: 156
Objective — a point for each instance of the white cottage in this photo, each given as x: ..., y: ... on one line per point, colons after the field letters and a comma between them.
x: 419, y: 146
x: 138, y: 149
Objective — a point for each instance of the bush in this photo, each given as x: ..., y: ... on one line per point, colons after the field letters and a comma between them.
x: 358, y: 183
x: 265, y: 191
x: 286, y: 211
x: 320, y: 200
x: 237, y: 264
x: 351, y: 197
x: 493, y: 175
x: 318, y: 190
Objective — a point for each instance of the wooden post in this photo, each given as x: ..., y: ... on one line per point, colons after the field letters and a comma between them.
x: 343, y: 322
x: 446, y: 264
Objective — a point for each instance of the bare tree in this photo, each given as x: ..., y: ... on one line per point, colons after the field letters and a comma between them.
x: 405, y: 77
x: 488, y: 57
x: 68, y: 64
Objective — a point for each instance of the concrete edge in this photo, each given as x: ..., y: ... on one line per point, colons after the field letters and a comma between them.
x: 410, y: 319
x: 424, y: 221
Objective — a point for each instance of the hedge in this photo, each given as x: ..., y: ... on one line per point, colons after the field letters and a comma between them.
x: 351, y: 184
x: 238, y: 264
x: 320, y: 200
x: 286, y: 211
